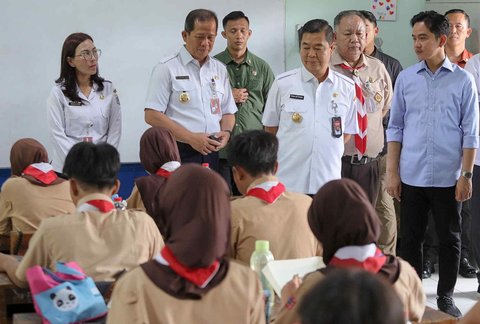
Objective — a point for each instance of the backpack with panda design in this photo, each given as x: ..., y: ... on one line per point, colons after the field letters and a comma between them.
x: 66, y: 295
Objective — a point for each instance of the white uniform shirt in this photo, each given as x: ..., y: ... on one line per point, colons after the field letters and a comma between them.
x: 473, y: 66
x: 99, y: 117
x: 182, y: 89
x: 309, y: 155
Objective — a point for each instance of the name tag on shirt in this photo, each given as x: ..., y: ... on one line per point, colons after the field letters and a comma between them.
x: 74, y: 103
x: 182, y: 77
x: 295, y: 96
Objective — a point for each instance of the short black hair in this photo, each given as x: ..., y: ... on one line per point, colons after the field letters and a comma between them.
x: 461, y: 11
x: 201, y: 15
x: 346, y: 13
x: 316, y: 26
x: 255, y: 151
x: 234, y: 15
x: 94, y: 165
x: 368, y: 15
x: 435, y: 22
x: 347, y: 296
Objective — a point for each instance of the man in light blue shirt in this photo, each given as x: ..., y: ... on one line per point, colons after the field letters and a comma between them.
x: 432, y: 140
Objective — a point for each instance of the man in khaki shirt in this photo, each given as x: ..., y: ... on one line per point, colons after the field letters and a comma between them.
x: 266, y: 211
x: 371, y: 76
x: 101, y: 239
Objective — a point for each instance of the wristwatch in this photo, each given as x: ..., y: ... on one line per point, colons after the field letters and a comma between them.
x: 467, y: 174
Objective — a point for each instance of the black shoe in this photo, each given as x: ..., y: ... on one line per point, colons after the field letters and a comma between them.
x: 447, y: 305
x: 428, y: 269
x: 466, y: 269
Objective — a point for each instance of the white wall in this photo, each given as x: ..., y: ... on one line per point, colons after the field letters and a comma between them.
x: 133, y: 36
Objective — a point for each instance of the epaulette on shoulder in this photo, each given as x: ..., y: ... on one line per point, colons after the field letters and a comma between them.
x: 287, y: 74
x: 168, y: 58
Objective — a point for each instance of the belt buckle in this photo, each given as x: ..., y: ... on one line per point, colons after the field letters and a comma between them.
x: 354, y: 160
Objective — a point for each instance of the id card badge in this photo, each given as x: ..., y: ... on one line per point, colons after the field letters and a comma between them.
x: 215, y: 106
x: 337, y: 126
x: 87, y: 138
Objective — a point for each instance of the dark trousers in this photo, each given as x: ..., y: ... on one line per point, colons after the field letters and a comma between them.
x: 189, y: 155
x: 430, y: 247
x: 475, y: 208
x: 415, y: 204
x: 466, y: 214
x: 226, y: 173
x: 366, y: 175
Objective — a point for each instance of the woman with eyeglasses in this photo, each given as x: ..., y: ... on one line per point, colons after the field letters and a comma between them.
x: 82, y: 106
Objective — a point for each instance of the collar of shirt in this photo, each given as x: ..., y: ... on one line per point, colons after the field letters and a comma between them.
x: 92, y: 93
x: 466, y: 55
x: 445, y: 65
x: 261, y: 180
x: 337, y: 59
x: 186, y: 57
x: 94, y: 196
x: 246, y: 60
x: 307, y: 76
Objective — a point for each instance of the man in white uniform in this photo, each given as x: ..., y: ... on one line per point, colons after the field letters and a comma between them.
x: 189, y: 94
x: 311, y: 110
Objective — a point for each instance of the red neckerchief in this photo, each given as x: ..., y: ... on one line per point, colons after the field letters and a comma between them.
x: 163, y: 173
x: 167, y: 169
x: 103, y: 206
x: 361, y: 137
x: 198, y: 276
x: 270, y: 195
x: 42, y: 172
x: 371, y: 264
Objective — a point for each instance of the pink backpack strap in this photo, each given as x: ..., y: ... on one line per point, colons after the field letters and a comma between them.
x: 38, y: 280
x: 69, y: 271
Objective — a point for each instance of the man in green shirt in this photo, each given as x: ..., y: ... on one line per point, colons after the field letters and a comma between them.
x: 250, y: 78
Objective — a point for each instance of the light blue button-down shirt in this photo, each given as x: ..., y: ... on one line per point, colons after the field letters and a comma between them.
x: 433, y: 116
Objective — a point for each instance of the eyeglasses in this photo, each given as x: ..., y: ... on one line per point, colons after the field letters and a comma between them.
x: 89, y: 55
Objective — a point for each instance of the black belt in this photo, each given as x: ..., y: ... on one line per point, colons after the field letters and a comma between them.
x: 353, y: 159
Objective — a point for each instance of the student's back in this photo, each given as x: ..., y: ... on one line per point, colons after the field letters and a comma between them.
x: 283, y: 223
x: 33, y: 192
x: 102, y: 240
x: 267, y: 211
x: 103, y: 244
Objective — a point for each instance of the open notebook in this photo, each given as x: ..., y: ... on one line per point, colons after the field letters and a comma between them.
x: 279, y: 272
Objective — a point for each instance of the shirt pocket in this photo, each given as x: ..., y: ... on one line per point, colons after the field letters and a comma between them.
x: 255, y: 83
x: 375, y: 95
x: 184, y: 93
x: 101, y: 119
x: 76, y: 118
x: 293, y: 113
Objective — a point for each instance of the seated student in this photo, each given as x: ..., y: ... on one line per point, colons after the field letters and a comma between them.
x: 345, y: 222
x: 33, y: 192
x: 266, y: 211
x: 351, y: 296
x: 102, y: 240
x: 159, y: 156
x: 191, y: 280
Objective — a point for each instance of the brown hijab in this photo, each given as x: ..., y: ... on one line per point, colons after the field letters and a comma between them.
x: 25, y: 152
x: 194, y: 220
x: 341, y: 215
x: 28, y: 151
x: 157, y: 147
